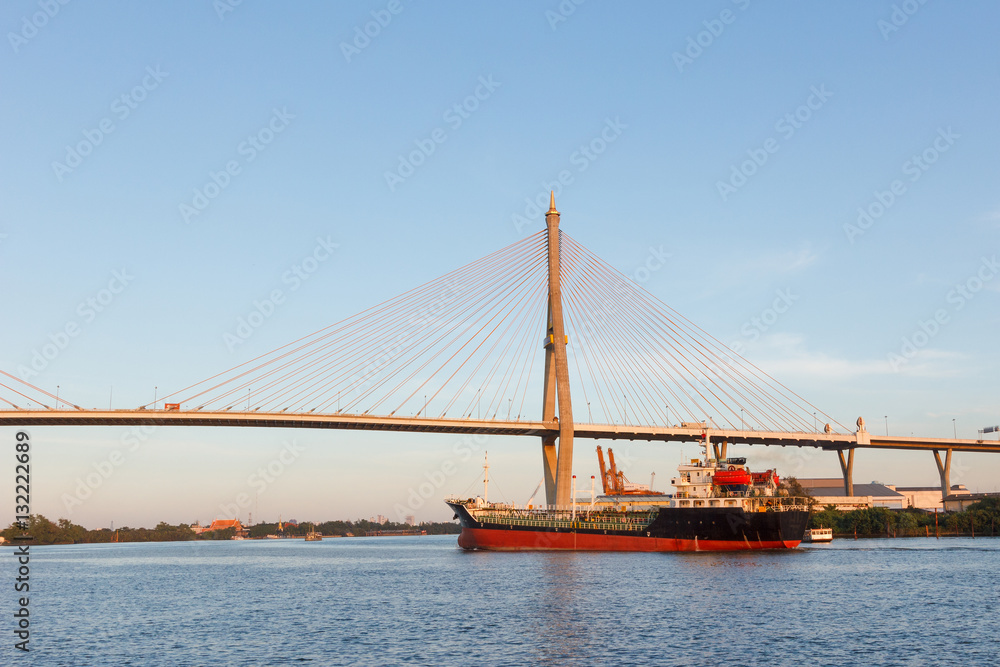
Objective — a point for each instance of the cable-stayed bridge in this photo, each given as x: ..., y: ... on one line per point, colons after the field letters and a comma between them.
x: 526, y: 341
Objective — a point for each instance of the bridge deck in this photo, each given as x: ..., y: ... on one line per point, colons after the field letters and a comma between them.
x: 832, y: 441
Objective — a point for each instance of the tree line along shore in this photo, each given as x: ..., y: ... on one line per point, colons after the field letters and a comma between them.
x: 45, y: 531
x: 979, y: 519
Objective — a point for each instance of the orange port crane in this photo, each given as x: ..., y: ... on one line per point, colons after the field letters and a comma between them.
x: 614, y: 480
x: 609, y: 478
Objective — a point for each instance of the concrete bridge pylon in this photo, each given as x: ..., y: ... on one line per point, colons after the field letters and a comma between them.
x: 556, y: 404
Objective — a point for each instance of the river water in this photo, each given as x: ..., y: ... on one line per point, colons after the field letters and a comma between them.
x: 421, y: 600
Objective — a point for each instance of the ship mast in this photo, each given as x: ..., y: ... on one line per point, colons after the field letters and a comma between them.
x: 486, y: 477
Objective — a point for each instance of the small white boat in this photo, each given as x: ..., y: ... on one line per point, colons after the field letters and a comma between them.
x: 818, y: 535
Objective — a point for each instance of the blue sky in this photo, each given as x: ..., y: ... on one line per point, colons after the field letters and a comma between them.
x: 820, y: 111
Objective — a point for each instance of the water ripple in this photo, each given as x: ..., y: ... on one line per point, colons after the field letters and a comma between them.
x: 422, y: 601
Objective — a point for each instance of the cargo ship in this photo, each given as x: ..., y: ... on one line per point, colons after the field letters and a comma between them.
x: 718, y: 505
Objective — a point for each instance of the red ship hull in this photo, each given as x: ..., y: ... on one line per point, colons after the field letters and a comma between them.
x: 524, y: 540
x: 658, y: 529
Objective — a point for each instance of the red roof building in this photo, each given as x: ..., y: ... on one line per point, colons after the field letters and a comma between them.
x: 223, y: 524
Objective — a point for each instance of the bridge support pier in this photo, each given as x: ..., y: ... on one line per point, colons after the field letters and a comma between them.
x: 944, y: 471
x: 549, y: 460
x: 720, y: 449
x: 556, y: 391
x: 847, y: 468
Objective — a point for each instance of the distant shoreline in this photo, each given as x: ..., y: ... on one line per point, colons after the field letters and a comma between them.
x: 45, y: 532
x: 301, y: 538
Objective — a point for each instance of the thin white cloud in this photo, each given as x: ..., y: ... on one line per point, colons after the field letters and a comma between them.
x: 780, y: 263
x: 760, y: 268
x: 824, y: 367
x: 933, y: 363
x: 993, y: 216
x: 802, y: 259
x: 786, y: 356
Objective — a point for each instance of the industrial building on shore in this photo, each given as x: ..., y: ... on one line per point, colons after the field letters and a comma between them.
x: 830, y: 491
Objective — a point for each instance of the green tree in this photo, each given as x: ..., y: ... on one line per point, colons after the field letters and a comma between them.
x: 791, y: 487
x: 828, y: 517
x: 906, y: 523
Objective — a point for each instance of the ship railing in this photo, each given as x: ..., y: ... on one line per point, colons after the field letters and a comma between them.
x: 585, y: 512
x: 563, y: 518
x: 778, y: 503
